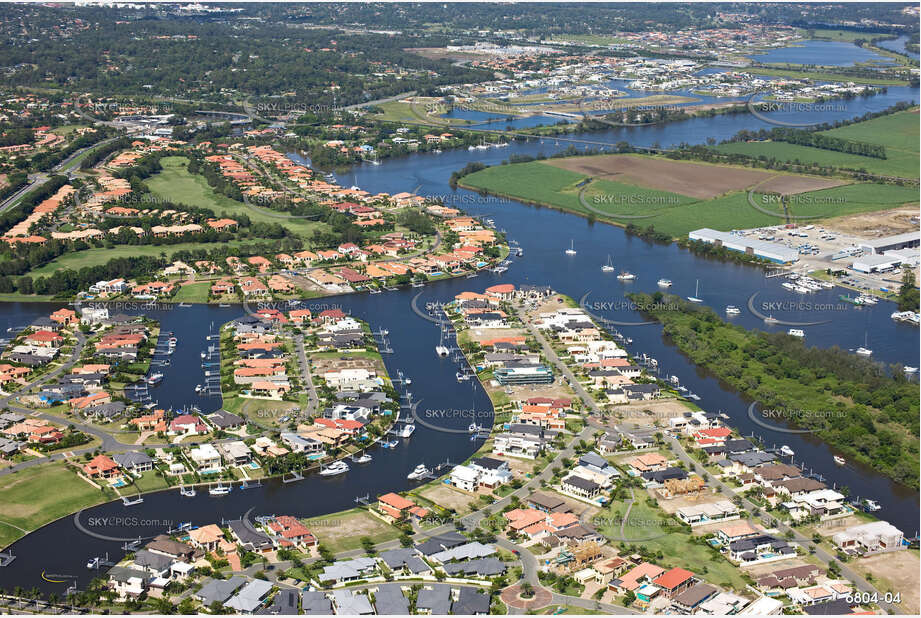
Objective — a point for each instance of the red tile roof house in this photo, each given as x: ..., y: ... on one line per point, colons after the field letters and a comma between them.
x: 292, y: 531
x: 188, y: 424
x: 101, y: 466
x: 45, y: 339
x: 394, y: 505
x: 674, y: 581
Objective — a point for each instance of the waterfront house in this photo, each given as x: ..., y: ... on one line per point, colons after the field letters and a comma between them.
x: 134, y: 461
x: 164, y: 545
x: 249, y: 538
x: 207, y: 537
x: 291, y: 532
x: 157, y: 565
x: 236, y: 453
x: 224, y: 420
x: 300, y: 444
x: 869, y: 538
x: 102, y: 466
x: 206, y: 457
x: 127, y: 582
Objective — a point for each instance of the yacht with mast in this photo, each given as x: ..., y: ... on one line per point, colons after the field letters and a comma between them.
x: 572, y: 248
x: 696, y: 298
x: 608, y: 267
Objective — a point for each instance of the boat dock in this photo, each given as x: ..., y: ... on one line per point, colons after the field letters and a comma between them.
x: 6, y: 558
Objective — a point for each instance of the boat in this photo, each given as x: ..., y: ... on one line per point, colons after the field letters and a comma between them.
x: 839, y: 460
x: 771, y: 320
x: 572, y: 248
x: 172, y: 341
x: 665, y: 283
x: 188, y: 492
x: 786, y: 451
x: 788, y: 285
x: 418, y: 472
x: 220, y: 490
x: 224, y: 305
x: 204, y: 355
x: 732, y: 310
x: 474, y: 428
x: 871, y: 506
x: 389, y: 444
x: 519, y: 252
x: 608, y: 267
x: 796, y: 332
x: 696, y: 298
x: 848, y: 299
x: 335, y: 468
x: 185, y: 305
x: 441, y: 349
x: 405, y: 431
x: 155, y: 378
x: 199, y: 388
x: 864, y: 350
x: 908, y: 369
x: 364, y: 458
x: 417, y: 284
x: 626, y: 276
x: 461, y: 377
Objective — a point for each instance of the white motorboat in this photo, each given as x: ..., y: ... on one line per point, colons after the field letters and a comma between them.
x: 871, y: 506
x: 364, y: 458
x: 404, y: 431
x: 337, y: 467
x: 862, y: 351
x: 188, y: 492
x: 204, y: 355
x: 732, y: 310
x: 908, y: 369
x: 787, y: 451
x: 462, y: 377
x: 788, y: 285
x: 626, y: 276
x: 418, y: 472
x: 796, y: 332
x: 220, y: 490
x: 696, y: 298
x: 155, y: 378
x: 442, y: 350
x: 572, y: 248
x: 839, y: 460
x: 771, y: 320
x: 665, y: 283
x: 608, y: 267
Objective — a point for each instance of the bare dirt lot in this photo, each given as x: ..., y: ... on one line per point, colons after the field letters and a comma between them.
x: 691, y: 179
x: 875, y: 224
x: 790, y: 185
x: 449, y: 498
x: 900, y: 571
x: 679, y: 502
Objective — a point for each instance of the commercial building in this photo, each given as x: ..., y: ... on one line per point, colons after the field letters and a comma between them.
x: 886, y: 243
x: 536, y: 374
x: 775, y: 252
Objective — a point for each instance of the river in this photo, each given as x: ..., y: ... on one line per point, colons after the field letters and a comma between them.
x: 61, y: 548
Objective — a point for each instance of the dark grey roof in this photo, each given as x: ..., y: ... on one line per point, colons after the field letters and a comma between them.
x: 838, y: 607
x: 441, y: 542
x: 485, y: 567
x: 582, y: 483
x: 739, y: 446
x: 314, y: 602
x: 155, y: 562
x: 404, y: 557
x: 436, y: 599
x: 107, y: 410
x: 123, y: 574
x: 660, y: 476
x: 131, y: 458
x: 488, y: 462
x: 284, y: 604
x: 594, y: 459
x: 470, y: 601
x: 390, y: 601
x: 223, y: 418
x: 753, y: 458
x: 249, y: 537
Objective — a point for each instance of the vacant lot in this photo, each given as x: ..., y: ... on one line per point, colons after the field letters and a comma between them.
x: 343, y: 531
x: 449, y: 498
x: 35, y: 496
x: 877, y: 224
x: 896, y: 573
x: 692, y: 179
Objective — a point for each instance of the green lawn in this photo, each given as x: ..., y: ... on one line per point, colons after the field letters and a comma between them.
x: 193, y: 293
x: 843, y: 36
x: 38, y: 495
x: 657, y: 531
x: 176, y: 184
x: 540, y: 183
x: 826, y: 76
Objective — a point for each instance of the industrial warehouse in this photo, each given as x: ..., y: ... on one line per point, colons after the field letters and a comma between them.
x: 775, y: 252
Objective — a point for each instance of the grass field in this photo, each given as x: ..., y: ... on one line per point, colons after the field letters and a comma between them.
x: 176, y: 184
x: 843, y: 36
x: 193, y: 293
x: 895, y: 131
x: 897, y: 163
x: 826, y: 76
x: 94, y: 257
x: 38, y: 495
x: 672, y: 213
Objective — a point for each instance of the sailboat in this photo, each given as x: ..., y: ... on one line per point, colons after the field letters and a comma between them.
x: 609, y: 266
x: 695, y: 298
x: 572, y: 248
x: 864, y: 350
